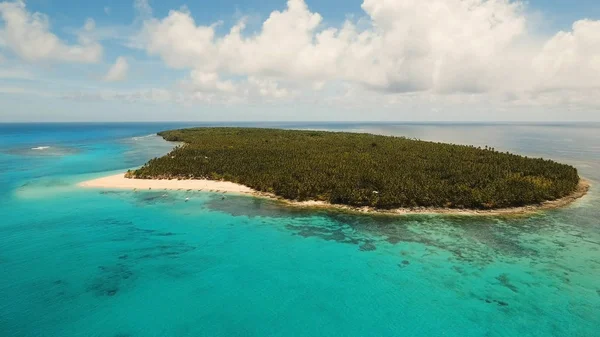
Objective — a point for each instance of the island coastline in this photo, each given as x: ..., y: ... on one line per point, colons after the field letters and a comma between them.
x: 120, y: 181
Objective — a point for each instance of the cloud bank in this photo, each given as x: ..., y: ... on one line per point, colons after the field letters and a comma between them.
x: 394, y: 53
x: 404, y: 46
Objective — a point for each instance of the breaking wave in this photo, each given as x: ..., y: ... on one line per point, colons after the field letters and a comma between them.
x: 142, y: 137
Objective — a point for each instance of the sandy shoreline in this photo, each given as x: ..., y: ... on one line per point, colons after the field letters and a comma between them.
x: 119, y: 181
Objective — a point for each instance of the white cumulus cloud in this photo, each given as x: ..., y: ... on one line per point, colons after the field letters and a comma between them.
x: 422, y: 55
x: 28, y: 35
x: 118, y: 71
x: 438, y: 47
x: 571, y: 60
x: 201, y: 81
x: 408, y: 46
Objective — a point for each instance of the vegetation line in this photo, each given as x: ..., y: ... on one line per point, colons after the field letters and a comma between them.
x: 362, y: 170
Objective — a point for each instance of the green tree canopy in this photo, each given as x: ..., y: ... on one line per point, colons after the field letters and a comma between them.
x: 361, y: 169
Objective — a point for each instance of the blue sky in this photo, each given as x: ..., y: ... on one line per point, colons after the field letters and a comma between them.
x: 440, y: 60
x: 560, y: 13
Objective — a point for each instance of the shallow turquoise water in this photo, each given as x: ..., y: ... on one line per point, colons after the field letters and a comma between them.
x: 117, y: 263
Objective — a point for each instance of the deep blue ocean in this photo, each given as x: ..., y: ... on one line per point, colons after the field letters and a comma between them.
x: 110, y: 263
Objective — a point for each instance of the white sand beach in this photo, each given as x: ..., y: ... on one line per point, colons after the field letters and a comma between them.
x: 120, y: 182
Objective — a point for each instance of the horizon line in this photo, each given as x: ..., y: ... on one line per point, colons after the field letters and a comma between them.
x: 300, y: 122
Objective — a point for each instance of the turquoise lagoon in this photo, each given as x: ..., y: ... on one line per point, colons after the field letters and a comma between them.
x: 112, y: 263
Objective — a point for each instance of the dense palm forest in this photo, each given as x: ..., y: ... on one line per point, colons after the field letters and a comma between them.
x: 361, y: 169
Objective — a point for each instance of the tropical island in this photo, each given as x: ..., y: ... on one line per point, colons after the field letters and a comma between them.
x: 361, y: 171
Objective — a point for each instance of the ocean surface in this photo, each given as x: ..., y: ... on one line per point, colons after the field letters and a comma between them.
x: 111, y: 263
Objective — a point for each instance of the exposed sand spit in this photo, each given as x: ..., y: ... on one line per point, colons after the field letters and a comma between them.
x: 120, y: 182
